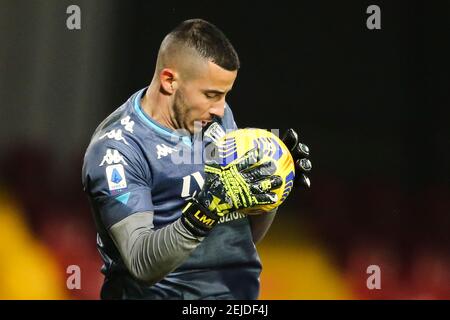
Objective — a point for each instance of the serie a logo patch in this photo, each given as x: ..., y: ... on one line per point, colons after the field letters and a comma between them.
x: 115, y: 174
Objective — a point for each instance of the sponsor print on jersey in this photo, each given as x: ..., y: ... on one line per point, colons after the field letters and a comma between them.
x: 231, y: 217
x: 163, y: 150
x: 112, y: 156
x: 188, y: 185
x: 115, y: 174
x: 114, y: 134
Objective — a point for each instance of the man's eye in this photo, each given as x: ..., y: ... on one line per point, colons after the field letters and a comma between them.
x: 211, y: 95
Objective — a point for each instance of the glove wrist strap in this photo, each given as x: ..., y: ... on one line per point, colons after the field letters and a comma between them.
x: 197, y: 219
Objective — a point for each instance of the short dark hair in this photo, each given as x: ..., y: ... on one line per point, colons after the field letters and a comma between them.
x: 209, y: 41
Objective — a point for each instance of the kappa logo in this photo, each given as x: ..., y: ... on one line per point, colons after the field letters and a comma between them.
x: 163, y: 150
x: 112, y: 156
x: 127, y: 123
x: 114, y: 134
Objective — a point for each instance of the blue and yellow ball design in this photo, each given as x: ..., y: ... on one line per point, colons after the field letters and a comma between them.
x: 236, y: 143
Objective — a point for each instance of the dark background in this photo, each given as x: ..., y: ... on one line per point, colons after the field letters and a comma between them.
x: 371, y: 104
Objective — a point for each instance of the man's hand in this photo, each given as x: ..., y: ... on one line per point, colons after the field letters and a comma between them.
x: 244, y: 183
x: 300, y: 154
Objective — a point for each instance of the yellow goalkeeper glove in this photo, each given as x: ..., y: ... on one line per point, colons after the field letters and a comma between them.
x: 244, y: 183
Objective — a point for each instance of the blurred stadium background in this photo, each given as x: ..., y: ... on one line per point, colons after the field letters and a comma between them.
x: 372, y: 105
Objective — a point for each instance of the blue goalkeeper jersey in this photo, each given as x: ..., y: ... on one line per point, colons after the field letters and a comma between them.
x: 133, y: 164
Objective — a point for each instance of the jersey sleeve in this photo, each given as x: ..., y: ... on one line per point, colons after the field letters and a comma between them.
x: 228, y: 122
x: 117, y: 180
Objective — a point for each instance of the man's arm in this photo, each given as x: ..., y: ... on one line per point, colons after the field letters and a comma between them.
x: 260, y: 224
x: 150, y: 254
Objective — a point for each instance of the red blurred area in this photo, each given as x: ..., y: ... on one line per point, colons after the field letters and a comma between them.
x: 57, y: 214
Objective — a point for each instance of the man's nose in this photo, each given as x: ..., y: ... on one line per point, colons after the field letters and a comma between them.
x: 218, y: 109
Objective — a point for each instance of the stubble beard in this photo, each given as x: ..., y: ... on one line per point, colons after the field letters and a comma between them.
x: 180, y: 112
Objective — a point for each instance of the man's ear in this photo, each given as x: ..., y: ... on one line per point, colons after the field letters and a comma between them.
x: 168, y: 79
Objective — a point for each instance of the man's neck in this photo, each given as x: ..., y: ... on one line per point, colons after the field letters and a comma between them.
x: 157, y: 106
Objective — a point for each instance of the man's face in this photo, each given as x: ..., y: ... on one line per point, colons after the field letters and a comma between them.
x: 201, y: 96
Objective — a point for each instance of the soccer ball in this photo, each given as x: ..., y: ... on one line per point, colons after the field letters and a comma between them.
x: 236, y: 143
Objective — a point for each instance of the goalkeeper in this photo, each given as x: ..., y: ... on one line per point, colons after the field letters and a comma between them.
x: 168, y: 230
